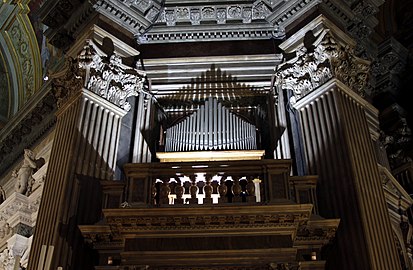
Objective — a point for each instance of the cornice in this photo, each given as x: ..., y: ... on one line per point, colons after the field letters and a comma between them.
x: 34, y: 120
x: 187, y: 21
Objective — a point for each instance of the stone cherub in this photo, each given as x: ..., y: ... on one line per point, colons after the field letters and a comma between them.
x: 24, y: 178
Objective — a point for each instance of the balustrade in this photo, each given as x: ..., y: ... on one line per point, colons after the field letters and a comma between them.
x: 214, y: 182
x: 205, y: 189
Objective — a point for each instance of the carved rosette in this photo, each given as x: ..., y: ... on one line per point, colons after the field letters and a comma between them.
x: 315, y: 64
x: 106, y: 76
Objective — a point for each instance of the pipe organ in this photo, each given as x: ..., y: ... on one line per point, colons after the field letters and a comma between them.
x: 211, y: 127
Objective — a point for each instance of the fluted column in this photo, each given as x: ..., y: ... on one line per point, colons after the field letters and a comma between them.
x: 92, y: 96
x: 326, y: 81
x: 142, y: 141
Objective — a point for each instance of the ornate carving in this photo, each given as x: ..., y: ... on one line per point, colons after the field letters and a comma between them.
x: 221, y: 15
x: 246, y: 14
x: 142, y: 5
x: 390, y: 66
x: 136, y: 15
x: 138, y: 223
x: 365, y: 9
x: 67, y: 83
x: 397, y: 143
x: 316, y: 63
x: 234, y: 12
x: 7, y: 259
x: 24, y: 176
x: 208, y: 13
x: 195, y: 16
x: 306, y: 233
x: 106, y: 75
x: 182, y: 13
x: 22, y: 49
x: 260, y: 10
x: 36, y: 121
x: 170, y: 17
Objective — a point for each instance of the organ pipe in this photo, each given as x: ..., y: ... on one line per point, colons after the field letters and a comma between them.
x: 211, y: 127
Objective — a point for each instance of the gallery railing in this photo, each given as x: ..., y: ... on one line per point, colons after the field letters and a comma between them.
x: 196, y: 183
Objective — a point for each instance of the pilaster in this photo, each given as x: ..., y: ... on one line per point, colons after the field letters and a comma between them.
x: 92, y: 94
x: 327, y: 82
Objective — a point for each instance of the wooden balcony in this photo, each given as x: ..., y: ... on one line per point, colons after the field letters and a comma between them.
x: 216, y: 182
x: 178, y: 215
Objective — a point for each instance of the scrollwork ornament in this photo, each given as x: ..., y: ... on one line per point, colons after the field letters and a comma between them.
x: 21, y: 43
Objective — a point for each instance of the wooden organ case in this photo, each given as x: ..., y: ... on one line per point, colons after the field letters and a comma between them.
x: 215, y: 119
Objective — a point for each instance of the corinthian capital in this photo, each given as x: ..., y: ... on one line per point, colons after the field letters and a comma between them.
x: 107, y: 76
x: 318, y: 60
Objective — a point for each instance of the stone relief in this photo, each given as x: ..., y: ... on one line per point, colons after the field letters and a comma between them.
x: 319, y: 60
x: 219, y: 13
x: 195, y: 16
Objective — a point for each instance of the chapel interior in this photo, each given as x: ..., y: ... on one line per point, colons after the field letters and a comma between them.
x: 195, y: 135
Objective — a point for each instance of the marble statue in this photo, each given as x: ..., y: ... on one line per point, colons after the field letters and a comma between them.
x: 24, y: 174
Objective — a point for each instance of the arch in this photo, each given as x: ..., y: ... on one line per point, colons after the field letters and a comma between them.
x: 20, y: 61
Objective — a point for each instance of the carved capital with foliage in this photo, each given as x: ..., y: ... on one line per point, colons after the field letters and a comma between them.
x: 318, y: 60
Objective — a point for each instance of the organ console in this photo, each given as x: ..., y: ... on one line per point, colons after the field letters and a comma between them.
x: 211, y: 127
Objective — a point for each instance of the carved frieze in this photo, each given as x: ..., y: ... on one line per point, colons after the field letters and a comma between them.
x: 308, y: 233
x: 218, y: 13
x: 314, y: 64
x: 195, y: 16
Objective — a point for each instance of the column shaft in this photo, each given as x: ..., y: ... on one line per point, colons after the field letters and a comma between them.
x: 338, y: 147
